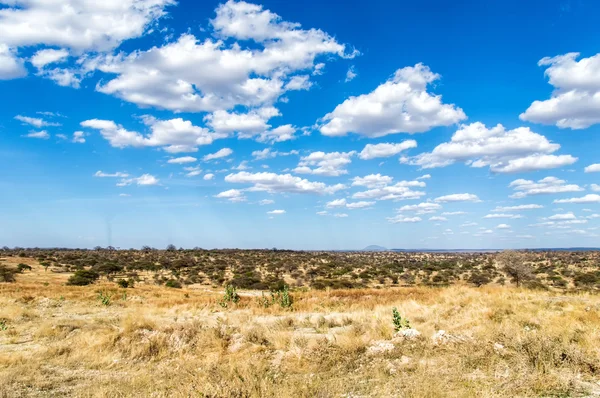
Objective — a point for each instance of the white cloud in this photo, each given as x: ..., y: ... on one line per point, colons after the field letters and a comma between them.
x: 272, y: 182
x: 424, y: 177
x: 351, y: 74
x: 144, y: 179
x: 124, y: 195
x: 38, y: 134
x: 372, y: 181
x: 330, y: 164
x: 399, y: 191
x: 221, y: 153
x: 595, y: 187
x: 246, y: 125
x: 336, y: 203
x: 575, y: 101
x: 469, y: 224
x: 182, y: 160
x: 232, y: 195
x: 400, y: 105
x: 437, y: 218
x: 276, y: 212
x: 118, y: 174
x: 548, y: 185
x: 175, y: 135
x: 34, y: 121
x: 504, y: 151
x: 208, y: 177
x: 340, y: 215
x: 518, y: 208
x: 453, y: 213
x: 422, y: 208
x: 590, y: 198
x: 593, y: 168
x: 501, y: 215
x: 254, y: 60
x: 458, y: 197
x: 359, y: 205
x: 402, y: 219
x: 265, y: 202
x: 48, y: 56
x: 11, y: 66
x: 78, y: 137
x: 563, y: 216
x: 384, y: 150
x: 268, y: 153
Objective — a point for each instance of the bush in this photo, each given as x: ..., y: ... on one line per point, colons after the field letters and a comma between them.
x: 83, y: 277
x: 173, y: 283
x: 399, y: 322
x: 125, y: 283
x: 7, y: 274
x: 22, y: 267
x: 230, y: 296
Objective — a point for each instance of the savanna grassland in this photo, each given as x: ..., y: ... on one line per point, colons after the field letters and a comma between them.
x: 298, y: 325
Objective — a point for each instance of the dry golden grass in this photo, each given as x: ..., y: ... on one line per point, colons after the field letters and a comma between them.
x: 152, y: 341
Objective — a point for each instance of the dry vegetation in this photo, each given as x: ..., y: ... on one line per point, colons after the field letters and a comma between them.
x: 151, y: 340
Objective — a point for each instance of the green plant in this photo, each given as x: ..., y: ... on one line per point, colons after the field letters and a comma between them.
x: 22, y: 267
x: 399, y: 322
x: 230, y: 296
x: 6, y: 274
x: 3, y: 325
x: 125, y: 283
x: 174, y: 283
x: 83, y: 277
x: 264, y: 301
x: 105, y: 298
x: 283, y: 297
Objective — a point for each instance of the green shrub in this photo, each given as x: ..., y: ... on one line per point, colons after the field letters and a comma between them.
x: 230, y: 296
x: 173, y: 283
x: 7, y: 274
x: 399, y: 322
x: 22, y: 267
x: 125, y: 283
x: 83, y: 277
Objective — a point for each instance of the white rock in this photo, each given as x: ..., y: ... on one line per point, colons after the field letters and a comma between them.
x: 408, y: 334
x: 380, y: 347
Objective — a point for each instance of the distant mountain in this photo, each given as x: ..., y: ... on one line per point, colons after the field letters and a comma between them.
x: 375, y: 248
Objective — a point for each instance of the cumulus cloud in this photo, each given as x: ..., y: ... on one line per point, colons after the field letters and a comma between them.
x: 232, y: 195
x: 548, y: 185
x: 255, y: 58
x: 563, y: 216
x: 503, y: 226
x: 595, y: 187
x: 372, y: 181
x: 174, y: 135
x: 208, y: 176
x: 422, y: 208
x: 48, y: 56
x: 282, y: 183
x: 503, y: 215
x: 144, y: 179
x: 401, y: 190
x: 351, y: 74
x: 438, y: 218
x: 340, y: 215
x: 453, y: 213
x: 503, y: 151
x: 336, y: 203
x: 43, y: 135
x: 359, y: 205
x: 518, y: 208
x: 182, y: 160
x: 221, y: 153
x: 276, y: 212
x: 400, y: 105
x: 424, y: 177
x: 267, y: 153
x: 458, y: 197
x: 265, y: 202
x: 590, y: 198
x: 118, y: 174
x: 384, y: 150
x: 330, y: 164
x: 78, y: 137
x: 575, y: 101
x: 402, y: 219
x: 34, y: 121
x: 593, y: 168
x: 11, y: 66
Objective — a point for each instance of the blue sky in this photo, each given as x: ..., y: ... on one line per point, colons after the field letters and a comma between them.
x: 299, y: 125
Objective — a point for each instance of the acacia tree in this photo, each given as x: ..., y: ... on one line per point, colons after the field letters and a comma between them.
x: 514, y: 264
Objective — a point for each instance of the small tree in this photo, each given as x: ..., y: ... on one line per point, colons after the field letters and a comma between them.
x: 513, y: 264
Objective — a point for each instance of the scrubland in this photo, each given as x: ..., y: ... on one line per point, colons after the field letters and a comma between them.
x: 150, y: 340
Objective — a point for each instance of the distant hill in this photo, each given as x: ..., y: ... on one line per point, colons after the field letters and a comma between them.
x: 375, y: 248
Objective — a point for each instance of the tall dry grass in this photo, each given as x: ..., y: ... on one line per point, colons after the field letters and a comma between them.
x: 153, y: 341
